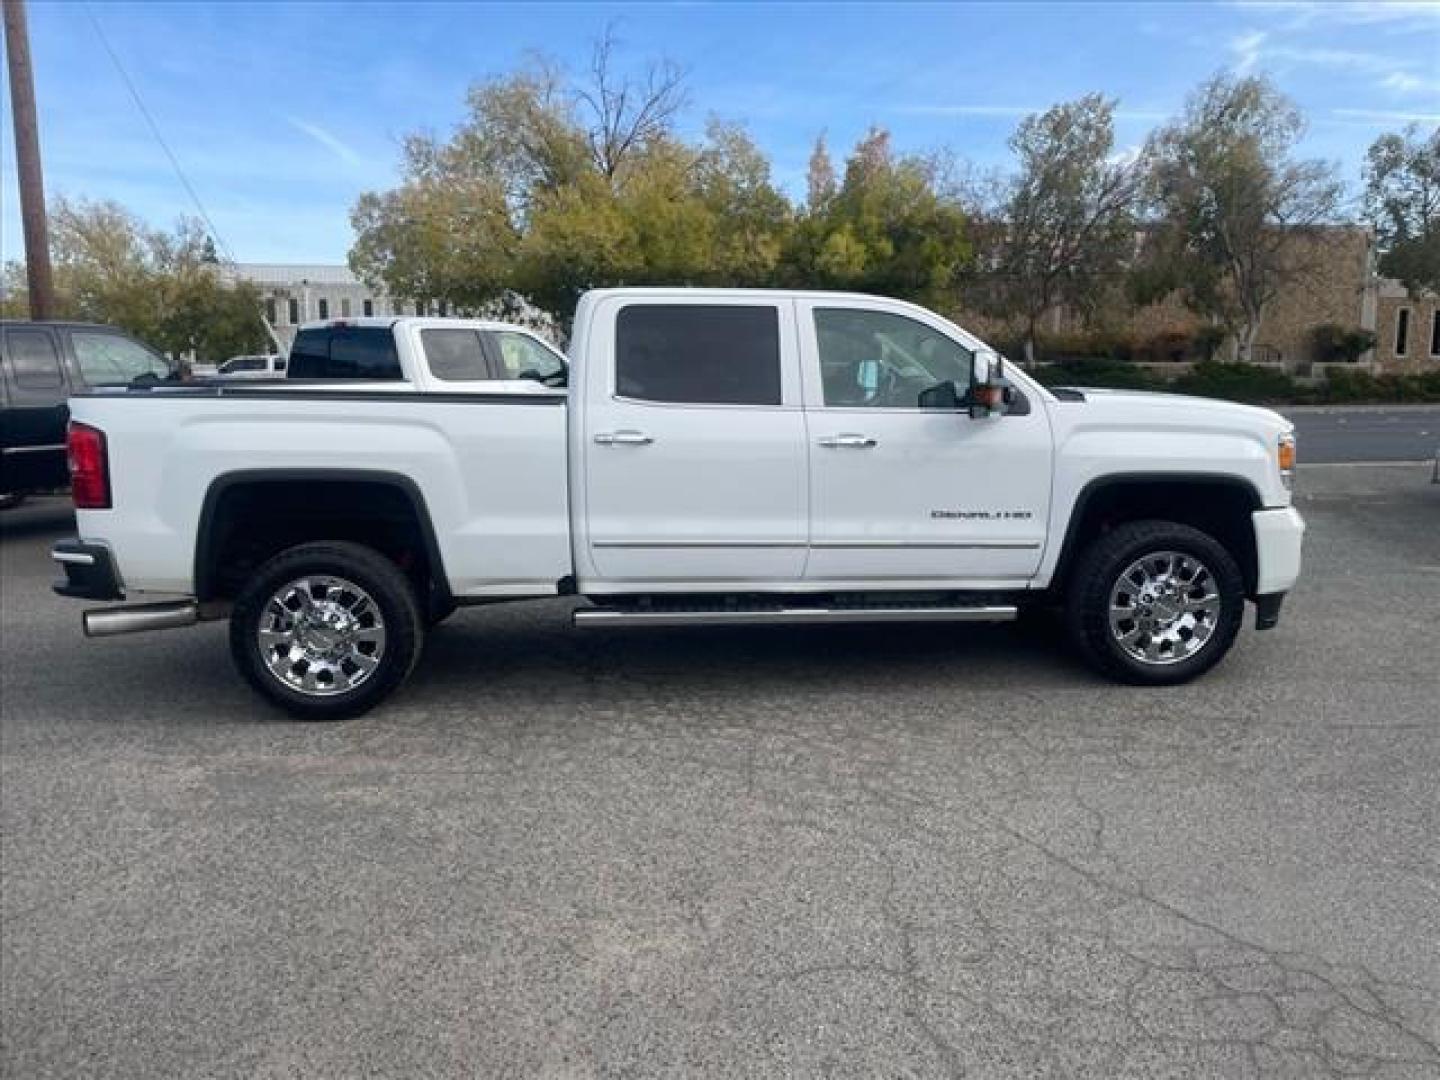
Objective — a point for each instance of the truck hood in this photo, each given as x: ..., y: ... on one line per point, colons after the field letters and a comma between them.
x: 1182, y: 409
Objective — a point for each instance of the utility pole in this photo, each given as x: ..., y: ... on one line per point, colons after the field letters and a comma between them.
x: 27, y: 158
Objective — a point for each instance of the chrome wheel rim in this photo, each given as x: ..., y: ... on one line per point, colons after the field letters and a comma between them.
x: 321, y: 635
x: 1164, y: 608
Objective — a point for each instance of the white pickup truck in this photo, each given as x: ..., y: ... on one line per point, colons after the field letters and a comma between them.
x: 707, y: 456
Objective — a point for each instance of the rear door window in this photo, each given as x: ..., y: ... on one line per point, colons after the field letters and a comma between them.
x: 33, y: 360
x: 698, y: 354
x: 455, y: 355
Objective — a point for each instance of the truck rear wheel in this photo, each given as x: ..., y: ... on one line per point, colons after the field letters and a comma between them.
x: 326, y: 631
x: 1155, y: 603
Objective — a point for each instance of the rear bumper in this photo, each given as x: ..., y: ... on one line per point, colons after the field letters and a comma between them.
x: 89, y: 571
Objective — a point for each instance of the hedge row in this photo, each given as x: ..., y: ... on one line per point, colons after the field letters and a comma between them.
x: 1247, y: 383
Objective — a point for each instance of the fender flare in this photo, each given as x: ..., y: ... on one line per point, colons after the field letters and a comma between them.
x: 1101, y: 484
x: 205, y: 538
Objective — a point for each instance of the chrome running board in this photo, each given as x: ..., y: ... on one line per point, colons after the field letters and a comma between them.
x: 599, y: 616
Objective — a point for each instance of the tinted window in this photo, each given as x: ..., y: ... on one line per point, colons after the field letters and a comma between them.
x: 454, y: 355
x: 522, y: 357
x: 34, y: 364
x: 344, y: 353
x: 879, y: 360
x: 704, y: 355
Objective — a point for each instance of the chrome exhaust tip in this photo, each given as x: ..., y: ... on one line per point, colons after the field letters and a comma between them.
x: 107, y: 622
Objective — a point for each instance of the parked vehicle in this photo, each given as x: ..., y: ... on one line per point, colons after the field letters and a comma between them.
x: 41, y: 365
x: 720, y: 457
x: 449, y: 355
x: 262, y: 366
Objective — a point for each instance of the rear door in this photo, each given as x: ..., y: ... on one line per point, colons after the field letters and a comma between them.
x: 32, y: 425
x: 693, y: 444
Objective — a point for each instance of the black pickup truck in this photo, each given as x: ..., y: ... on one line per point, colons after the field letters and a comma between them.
x: 41, y: 365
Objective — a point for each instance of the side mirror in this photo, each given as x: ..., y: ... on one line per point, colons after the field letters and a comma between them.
x: 942, y: 396
x: 987, y: 384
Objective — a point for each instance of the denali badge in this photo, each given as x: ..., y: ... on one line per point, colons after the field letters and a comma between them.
x: 984, y: 515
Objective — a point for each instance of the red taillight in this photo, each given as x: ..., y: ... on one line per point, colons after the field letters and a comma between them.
x: 89, y: 467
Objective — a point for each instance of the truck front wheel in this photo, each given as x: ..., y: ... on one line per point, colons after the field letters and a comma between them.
x: 1155, y: 603
x: 326, y: 631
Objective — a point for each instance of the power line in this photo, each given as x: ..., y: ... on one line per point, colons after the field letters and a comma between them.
x: 155, y: 130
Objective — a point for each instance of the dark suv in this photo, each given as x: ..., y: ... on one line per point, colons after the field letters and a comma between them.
x: 41, y: 365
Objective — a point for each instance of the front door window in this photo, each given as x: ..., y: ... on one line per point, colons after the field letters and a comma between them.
x: 876, y: 359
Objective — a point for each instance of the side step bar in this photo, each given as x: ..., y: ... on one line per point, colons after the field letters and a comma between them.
x: 598, y: 616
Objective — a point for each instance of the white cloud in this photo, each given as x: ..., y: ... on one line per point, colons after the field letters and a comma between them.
x: 1246, y: 48
x: 1255, y: 49
x: 332, y: 143
x: 1299, y: 14
x: 1404, y: 84
x: 1385, y: 116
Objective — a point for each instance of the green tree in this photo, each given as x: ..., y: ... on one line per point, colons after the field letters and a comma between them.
x: 885, y: 228
x: 164, y: 287
x: 552, y: 186
x: 1239, y: 216
x: 1402, y: 201
x: 1068, y: 224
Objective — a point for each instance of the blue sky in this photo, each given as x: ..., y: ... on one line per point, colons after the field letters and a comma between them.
x: 281, y: 114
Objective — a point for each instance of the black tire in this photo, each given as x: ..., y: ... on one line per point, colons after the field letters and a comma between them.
x: 1099, y: 570
x: 401, y: 638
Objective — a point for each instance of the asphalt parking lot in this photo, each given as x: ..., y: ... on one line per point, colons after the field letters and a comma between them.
x: 845, y: 852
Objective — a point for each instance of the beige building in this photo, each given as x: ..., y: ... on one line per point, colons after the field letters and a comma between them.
x: 1344, y: 290
x: 1408, y: 330
x: 295, y: 293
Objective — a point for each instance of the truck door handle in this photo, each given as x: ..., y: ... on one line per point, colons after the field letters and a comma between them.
x: 858, y: 442
x: 623, y: 438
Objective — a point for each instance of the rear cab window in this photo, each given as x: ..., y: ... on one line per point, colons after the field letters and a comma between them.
x: 700, y: 354
x: 455, y: 354
x: 345, y: 352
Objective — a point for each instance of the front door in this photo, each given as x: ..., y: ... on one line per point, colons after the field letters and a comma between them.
x: 904, y: 495
x: 693, y: 444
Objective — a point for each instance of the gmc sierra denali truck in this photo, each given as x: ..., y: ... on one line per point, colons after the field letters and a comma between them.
x: 707, y: 456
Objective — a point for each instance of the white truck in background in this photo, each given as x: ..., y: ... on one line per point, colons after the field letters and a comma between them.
x: 706, y: 456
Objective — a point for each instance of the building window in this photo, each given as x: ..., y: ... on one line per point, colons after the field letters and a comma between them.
x: 1402, y: 331
x: 444, y: 309
x: 419, y: 308
x: 270, y: 313
x: 294, y: 312
x: 344, y: 307
x: 324, y: 308
x: 368, y: 307
x: 1435, y: 333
